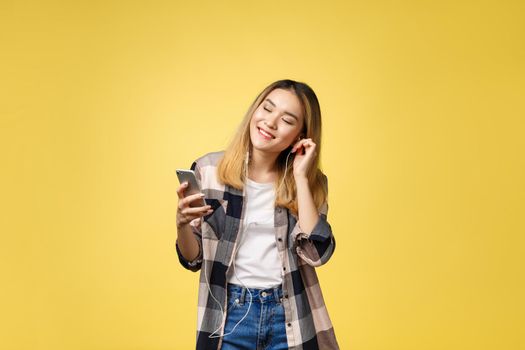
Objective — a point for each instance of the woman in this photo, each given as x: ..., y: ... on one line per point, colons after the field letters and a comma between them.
x: 263, y: 231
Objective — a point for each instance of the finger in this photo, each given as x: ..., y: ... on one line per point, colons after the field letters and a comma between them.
x: 196, y: 210
x: 298, y: 145
x: 180, y: 190
x: 187, y: 200
x: 310, y: 144
x: 188, y: 214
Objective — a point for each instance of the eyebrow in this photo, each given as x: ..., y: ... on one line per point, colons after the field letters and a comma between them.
x: 285, y: 112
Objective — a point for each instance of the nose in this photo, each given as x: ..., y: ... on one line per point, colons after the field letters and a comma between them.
x: 271, y: 120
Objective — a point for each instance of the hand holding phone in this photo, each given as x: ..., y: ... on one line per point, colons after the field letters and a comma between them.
x: 191, y: 199
x: 193, y: 186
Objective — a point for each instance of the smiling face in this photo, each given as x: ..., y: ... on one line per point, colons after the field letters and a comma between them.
x: 277, y: 122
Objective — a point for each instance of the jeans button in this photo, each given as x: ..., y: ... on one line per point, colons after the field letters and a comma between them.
x: 263, y: 294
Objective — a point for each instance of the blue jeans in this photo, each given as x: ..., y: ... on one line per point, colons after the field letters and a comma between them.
x: 263, y: 328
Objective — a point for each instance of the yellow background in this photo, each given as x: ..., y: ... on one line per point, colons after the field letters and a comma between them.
x: 423, y: 107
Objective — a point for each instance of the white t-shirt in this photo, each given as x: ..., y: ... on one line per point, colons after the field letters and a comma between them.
x: 257, y: 262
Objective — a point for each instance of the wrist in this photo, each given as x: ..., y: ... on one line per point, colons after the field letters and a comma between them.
x: 181, y: 226
x: 300, y: 178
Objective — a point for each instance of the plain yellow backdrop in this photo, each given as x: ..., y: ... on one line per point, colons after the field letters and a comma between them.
x: 423, y: 107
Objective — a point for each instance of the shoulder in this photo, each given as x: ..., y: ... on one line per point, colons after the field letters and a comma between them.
x: 209, y: 159
x: 206, y: 167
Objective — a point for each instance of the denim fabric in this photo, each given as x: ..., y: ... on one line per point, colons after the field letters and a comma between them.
x: 263, y: 328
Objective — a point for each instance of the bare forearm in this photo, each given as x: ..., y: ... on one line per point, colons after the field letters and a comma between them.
x: 187, y: 242
x: 308, y: 215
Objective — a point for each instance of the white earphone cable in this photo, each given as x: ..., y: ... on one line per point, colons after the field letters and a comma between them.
x: 213, y: 335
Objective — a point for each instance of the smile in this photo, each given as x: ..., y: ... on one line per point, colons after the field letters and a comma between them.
x: 264, y: 134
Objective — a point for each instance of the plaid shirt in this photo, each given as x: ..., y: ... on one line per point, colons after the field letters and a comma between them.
x: 308, y: 324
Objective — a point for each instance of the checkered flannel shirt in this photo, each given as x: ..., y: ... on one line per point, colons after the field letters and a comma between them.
x: 308, y: 324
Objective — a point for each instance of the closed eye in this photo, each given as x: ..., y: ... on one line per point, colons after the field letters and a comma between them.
x: 286, y: 121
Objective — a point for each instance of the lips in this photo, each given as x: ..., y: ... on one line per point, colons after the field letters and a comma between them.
x: 265, y: 133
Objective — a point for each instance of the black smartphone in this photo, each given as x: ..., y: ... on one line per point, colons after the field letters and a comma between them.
x: 193, y: 186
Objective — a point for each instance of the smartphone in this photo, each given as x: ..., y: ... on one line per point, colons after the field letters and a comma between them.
x: 193, y: 186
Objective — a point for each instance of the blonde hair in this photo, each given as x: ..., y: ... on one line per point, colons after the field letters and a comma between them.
x: 231, y: 168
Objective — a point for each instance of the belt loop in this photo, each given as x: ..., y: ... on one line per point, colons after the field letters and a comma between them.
x: 276, y: 294
x: 243, y: 293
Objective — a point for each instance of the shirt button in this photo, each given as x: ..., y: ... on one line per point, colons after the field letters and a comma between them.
x: 284, y: 268
x: 280, y: 239
x: 279, y: 210
x: 289, y: 324
x: 286, y: 296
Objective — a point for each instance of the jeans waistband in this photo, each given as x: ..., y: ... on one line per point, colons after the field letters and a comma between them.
x: 258, y: 294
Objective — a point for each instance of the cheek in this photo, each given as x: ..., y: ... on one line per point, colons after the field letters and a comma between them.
x: 291, y: 134
x: 253, y: 124
x: 253, y: 128
x: 256, y: 116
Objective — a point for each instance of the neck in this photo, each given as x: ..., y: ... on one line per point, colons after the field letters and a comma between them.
x: 262, y: 164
